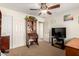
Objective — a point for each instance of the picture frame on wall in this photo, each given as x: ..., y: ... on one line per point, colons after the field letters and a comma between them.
x: 68, y: 17
x: 78, y: 19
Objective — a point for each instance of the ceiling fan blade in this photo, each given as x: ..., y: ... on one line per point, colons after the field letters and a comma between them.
x: 48, y: 12
x: 34, y: 9
x: 54, y: 6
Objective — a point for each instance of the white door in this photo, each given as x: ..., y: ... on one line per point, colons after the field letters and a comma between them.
x: 41, y: 30
x: 6, y: 27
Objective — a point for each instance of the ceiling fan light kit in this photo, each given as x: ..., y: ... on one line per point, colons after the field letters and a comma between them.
x: 43, y: 11
x: 44, y: 8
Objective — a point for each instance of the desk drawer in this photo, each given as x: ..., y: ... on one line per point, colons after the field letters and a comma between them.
x: 71, y: 51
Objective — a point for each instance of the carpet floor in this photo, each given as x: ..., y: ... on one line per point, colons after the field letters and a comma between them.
x: 43, y: 49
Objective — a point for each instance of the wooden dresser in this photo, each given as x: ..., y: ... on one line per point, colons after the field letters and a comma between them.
x: 5, y: 40
x: 72, y: 47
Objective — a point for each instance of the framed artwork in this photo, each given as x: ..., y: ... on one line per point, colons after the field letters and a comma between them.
x: 68, y: 17
x: 78, y: 19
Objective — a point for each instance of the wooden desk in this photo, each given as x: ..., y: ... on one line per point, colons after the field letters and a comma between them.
x: 72, y: 47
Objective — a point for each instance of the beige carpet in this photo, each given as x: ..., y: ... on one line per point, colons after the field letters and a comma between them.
x: 44, y: 49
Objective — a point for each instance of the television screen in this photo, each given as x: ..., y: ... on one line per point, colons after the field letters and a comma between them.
x: 59, y: 32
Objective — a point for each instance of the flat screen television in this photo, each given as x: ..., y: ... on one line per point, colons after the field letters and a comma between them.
x: 59, y: 32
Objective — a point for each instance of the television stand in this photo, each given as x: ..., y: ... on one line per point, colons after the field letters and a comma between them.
x: 57, y: 42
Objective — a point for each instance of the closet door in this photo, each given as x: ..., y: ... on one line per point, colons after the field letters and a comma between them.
x: 7, y: 28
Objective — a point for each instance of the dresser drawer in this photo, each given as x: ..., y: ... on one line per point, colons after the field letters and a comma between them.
x: 5, y: 40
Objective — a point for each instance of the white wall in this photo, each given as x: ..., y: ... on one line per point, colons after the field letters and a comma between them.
x: 18, y: 36
x: 57, y: 20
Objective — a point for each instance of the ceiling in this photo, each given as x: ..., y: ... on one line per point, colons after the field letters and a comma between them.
x: 25, y: 7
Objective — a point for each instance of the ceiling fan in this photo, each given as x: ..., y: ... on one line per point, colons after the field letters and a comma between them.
x: 45, y: 8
